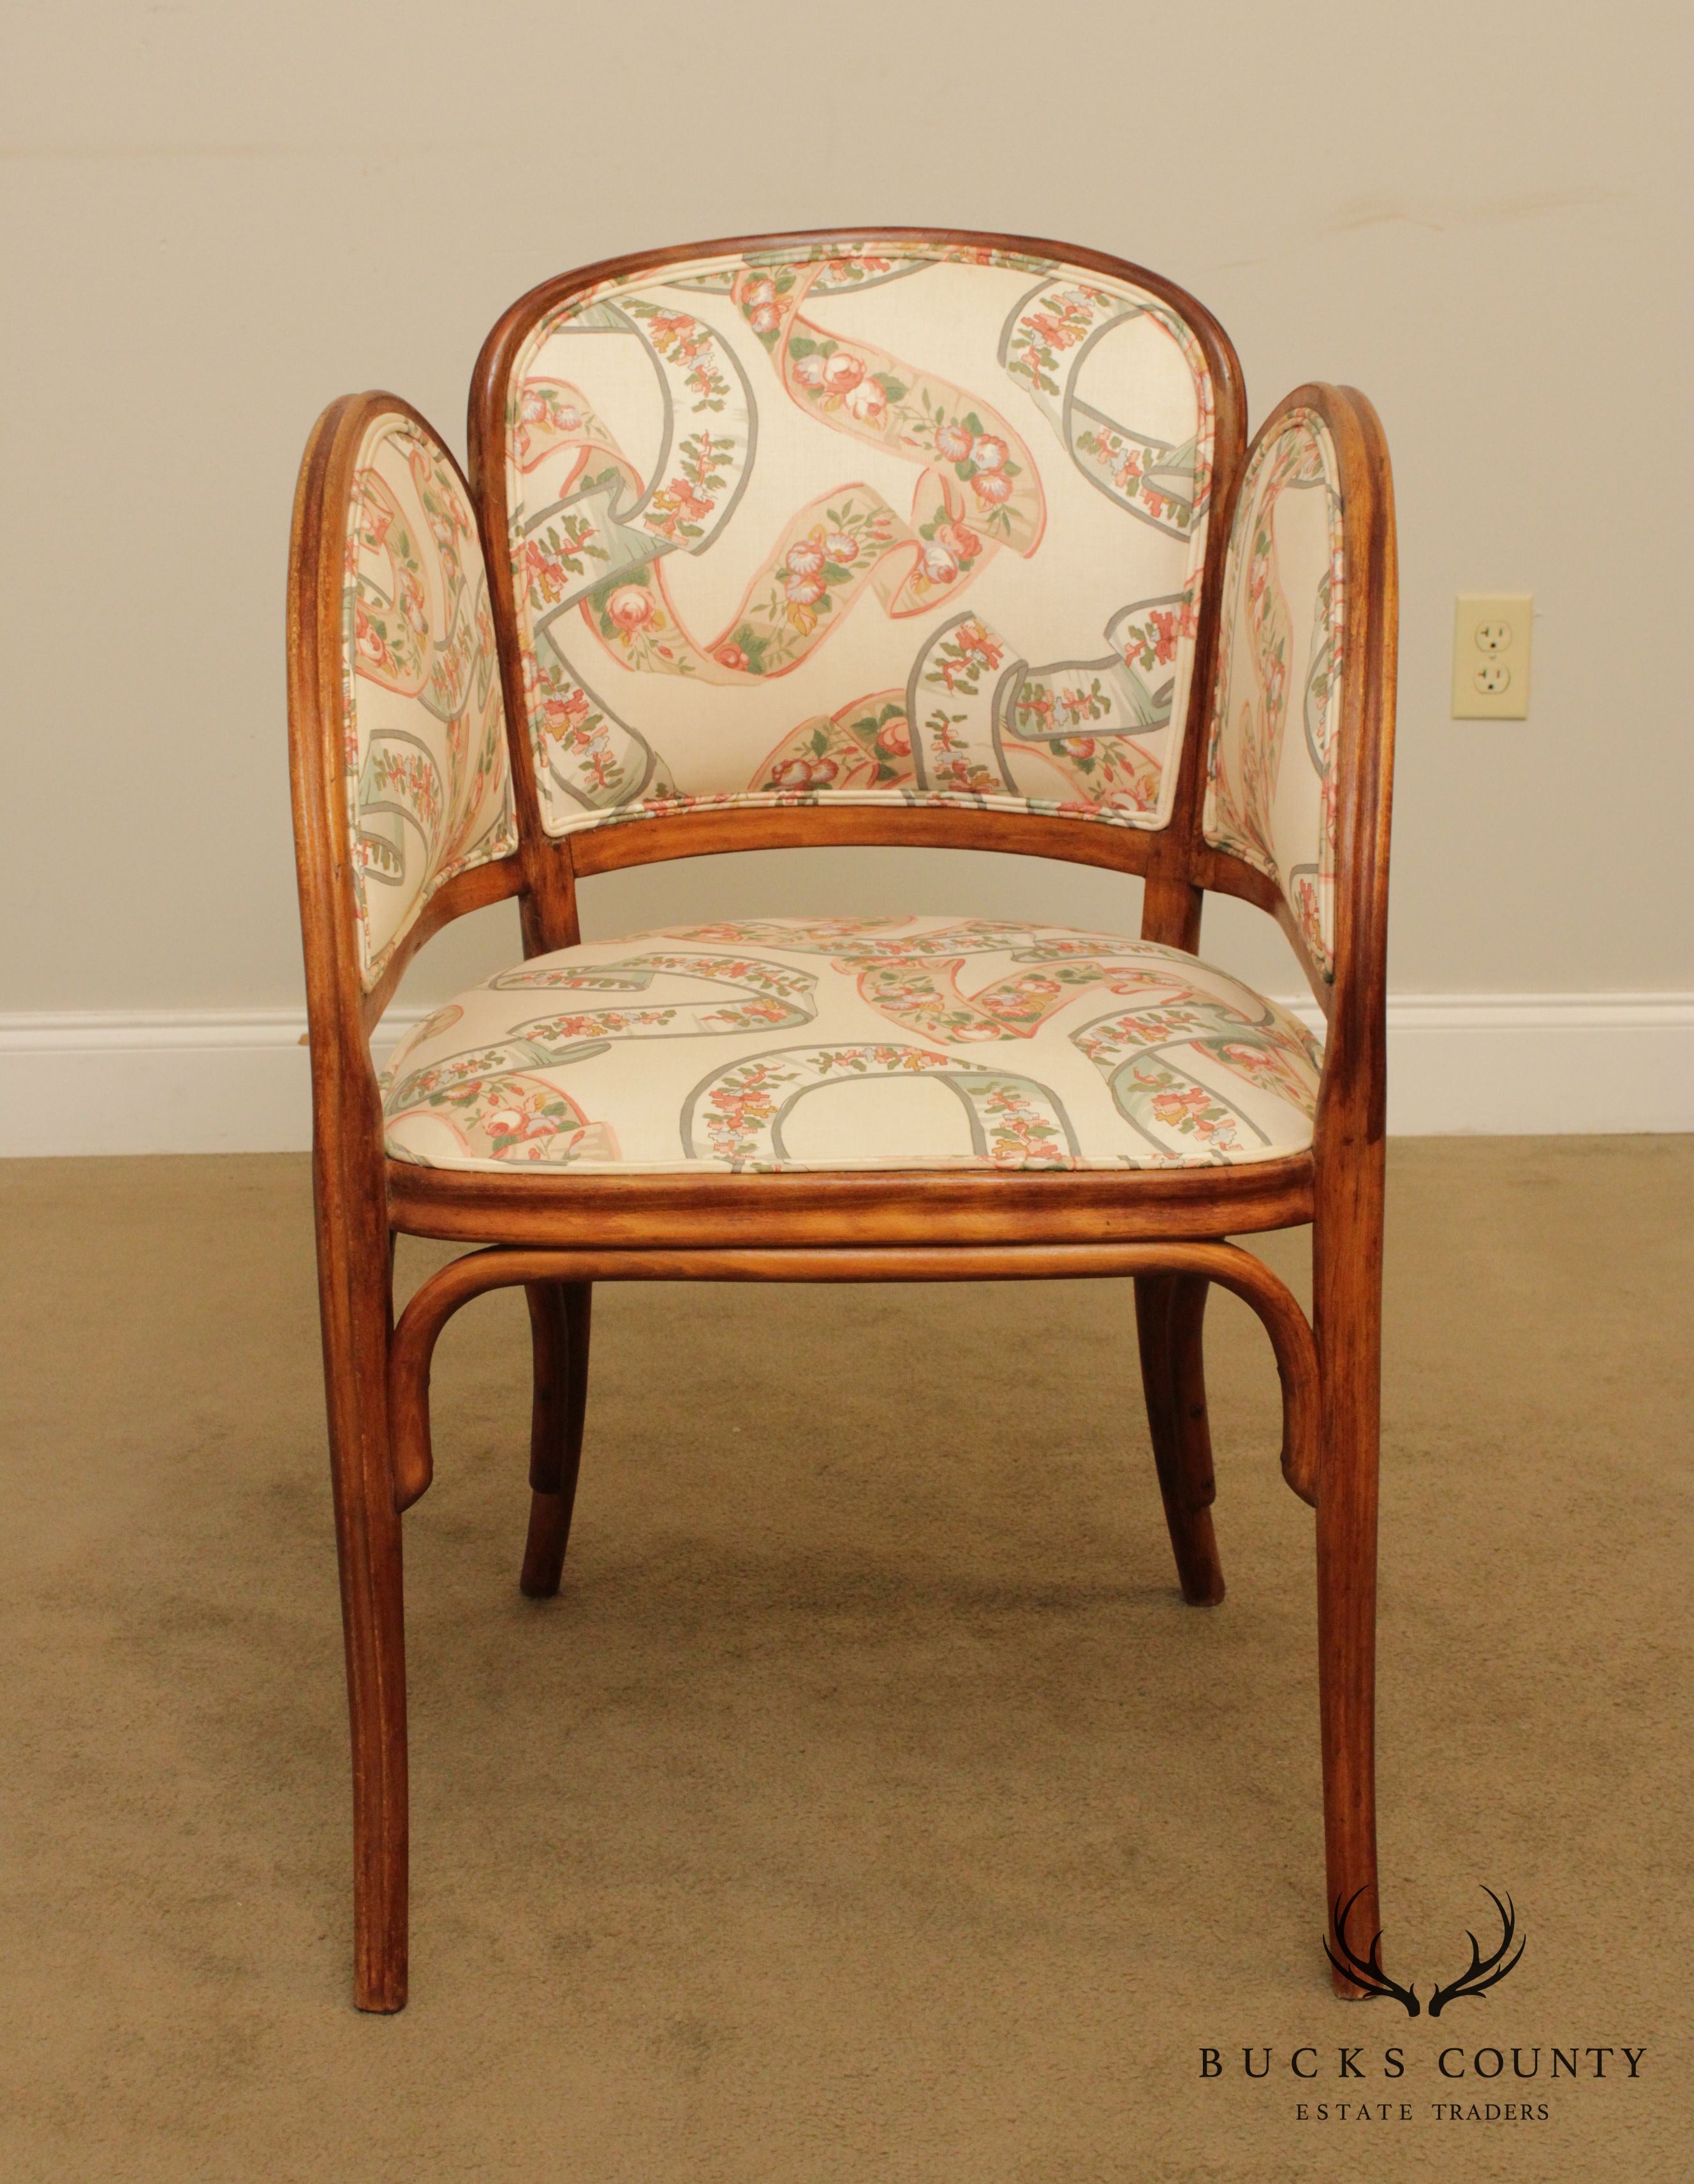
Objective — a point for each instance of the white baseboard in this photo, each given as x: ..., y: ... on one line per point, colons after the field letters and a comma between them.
x: 228, y: 1080
x: 1532, y: 1065
x: 165, y: 1081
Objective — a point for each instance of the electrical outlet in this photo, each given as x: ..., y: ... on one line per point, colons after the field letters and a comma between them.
x: 1491, y: 656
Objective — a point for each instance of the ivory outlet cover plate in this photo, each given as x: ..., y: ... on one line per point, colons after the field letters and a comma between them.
x: 1491, y: 656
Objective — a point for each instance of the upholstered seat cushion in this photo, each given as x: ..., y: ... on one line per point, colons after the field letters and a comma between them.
x: 854, y: 1043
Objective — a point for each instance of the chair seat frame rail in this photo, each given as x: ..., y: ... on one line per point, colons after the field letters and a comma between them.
x: 555, y: 1235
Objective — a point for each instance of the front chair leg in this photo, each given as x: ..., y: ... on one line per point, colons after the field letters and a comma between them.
x: 1349, y: 1340
x: 559, y: 1319
x: 1169, y: 1312
x: 355, y: 1299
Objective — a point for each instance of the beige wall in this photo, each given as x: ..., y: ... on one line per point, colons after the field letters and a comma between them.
x: 221, y: 215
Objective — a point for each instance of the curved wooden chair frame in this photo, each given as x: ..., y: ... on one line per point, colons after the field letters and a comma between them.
x: 556, y: 1234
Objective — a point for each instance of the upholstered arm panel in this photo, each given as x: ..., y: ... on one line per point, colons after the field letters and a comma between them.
x: 1270, y: 787
x: 881, y: 520
x: 429, y: 789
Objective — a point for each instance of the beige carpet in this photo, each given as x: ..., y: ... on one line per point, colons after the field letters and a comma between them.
x: 868, y: 1806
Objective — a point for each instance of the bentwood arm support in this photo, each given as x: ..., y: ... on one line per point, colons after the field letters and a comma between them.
x: 382, y: 571
x: 1297, y: 817
x: 438, y: 1298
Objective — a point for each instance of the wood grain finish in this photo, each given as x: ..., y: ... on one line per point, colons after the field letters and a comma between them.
x: 657, y: 837
x: 1348, y: 1158
x: 354, y: 1236
x: 890, y: 1206
x: 560, y: 1314
x: 1169, y: 1309
x: 555, y: 1234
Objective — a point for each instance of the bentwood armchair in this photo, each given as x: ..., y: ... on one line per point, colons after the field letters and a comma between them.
x: 886, y: 536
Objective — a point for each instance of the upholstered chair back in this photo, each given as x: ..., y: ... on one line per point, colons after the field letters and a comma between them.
x: 429, y: 790
x: 884, y: 520
x: 1272, y: 754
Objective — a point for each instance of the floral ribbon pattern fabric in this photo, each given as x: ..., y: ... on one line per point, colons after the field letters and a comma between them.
x: 1271, y: 775
x: 854, y: 1043
x: 428, y: 783
x: 876, y: 521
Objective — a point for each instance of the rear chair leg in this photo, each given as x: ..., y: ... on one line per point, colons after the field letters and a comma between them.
x: 1169, y: 1311
x: 559, y: 1317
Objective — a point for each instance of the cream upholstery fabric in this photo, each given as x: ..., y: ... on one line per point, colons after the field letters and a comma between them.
x: 1270, y: 792
x: 854, y: 1043
x: 894, y: 521
x: 429, y: 789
